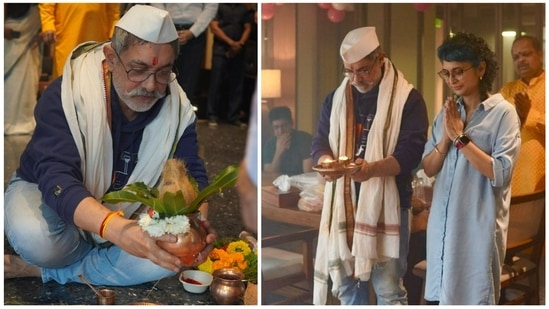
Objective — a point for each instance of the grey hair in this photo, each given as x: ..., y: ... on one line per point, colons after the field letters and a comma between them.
x: 122, y: 40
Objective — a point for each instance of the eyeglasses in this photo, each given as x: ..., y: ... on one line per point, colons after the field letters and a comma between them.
x: 362, y: 72
x: 456, y: 73
x: 163, y: 77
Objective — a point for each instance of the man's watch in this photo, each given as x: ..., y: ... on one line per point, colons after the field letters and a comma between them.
x: 461, y: 141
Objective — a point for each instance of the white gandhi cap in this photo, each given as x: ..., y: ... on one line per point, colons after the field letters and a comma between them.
x: 358, y: 43
x: 149, y: 23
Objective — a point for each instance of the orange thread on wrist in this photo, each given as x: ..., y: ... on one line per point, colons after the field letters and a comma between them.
x: 107, y: 220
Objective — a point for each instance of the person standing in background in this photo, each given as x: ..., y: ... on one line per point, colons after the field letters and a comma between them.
x: 231, y: 28
x: 528, y: 95
x: 68, y: 24
x: 191, y: 21
x: 21, y: 66
x: 250, y: 54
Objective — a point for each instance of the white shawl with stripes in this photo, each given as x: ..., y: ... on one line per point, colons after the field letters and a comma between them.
x: 84, y: 103
x: 377, y: 219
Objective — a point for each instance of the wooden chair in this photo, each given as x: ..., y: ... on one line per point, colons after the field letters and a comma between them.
x: 525, y: 245
x: 282, y: 268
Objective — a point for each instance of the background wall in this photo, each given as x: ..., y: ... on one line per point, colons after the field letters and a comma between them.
x: 302, y: 41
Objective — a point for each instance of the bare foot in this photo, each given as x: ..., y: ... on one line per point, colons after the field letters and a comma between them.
x: 15, y: 267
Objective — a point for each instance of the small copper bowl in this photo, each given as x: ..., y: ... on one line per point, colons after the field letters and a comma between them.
x: 106, y: 298
x: 327, y: 163
x: 344, y: 160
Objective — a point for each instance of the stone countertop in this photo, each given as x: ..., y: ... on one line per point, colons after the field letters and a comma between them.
x: 168, y: 291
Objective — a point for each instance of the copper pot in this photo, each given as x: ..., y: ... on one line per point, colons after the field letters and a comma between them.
x: 188, y: 244
x: 227, y: 286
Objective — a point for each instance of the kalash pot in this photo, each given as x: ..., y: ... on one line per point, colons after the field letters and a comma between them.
x: 227, y: 286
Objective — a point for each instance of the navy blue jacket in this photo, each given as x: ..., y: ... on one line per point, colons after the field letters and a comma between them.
x: 411, y: 139
x: 51, y: 158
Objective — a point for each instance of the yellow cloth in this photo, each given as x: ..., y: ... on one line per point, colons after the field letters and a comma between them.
x: 529, y: 174
x: 75, y: 23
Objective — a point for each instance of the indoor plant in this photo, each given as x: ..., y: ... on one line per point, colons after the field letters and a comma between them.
x: 174, y: 206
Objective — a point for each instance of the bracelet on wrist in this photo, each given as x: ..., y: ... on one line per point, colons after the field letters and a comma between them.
x: 106, y: 221
x: 456, y: 138
x: 438, y: 151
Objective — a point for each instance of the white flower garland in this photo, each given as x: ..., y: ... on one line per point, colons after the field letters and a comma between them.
x: 157, y: 227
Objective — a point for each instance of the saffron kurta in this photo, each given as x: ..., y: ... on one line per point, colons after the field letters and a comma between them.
x: 75, y: 23
x: 529, y: 175
x: 467, y: 228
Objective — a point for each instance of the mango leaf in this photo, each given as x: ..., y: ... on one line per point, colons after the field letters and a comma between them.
x: 172, y: 203
x: 135, y: 192
x: 225, y: 179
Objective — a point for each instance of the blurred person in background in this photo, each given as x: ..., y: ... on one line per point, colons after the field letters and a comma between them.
x: 288, y: 152
x: 68, y: 24
x: 191, y: 21
x: 231, y: 28
x: 528, y: 95
x: 21, y: 66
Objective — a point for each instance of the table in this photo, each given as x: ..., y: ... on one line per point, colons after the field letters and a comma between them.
x: 421, y: 204
x: 296, y: 216
x: 291, y: 215
x: 288, y: 213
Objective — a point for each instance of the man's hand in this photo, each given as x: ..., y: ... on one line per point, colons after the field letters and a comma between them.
x: 137, y: 242
x: 49, y: 37
x: 184, y: 36
x: 8, y: 33
x: 522, y: 105
x: 283, y: 142
x: 330, y: 176
x: 235, y: 49
x: 363, y: 173
x: 210, y: 238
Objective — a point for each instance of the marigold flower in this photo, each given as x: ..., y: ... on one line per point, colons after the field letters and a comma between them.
x: 239, y: 246
x: 206, y: 266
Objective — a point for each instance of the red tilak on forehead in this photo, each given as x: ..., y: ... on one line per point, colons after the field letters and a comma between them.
x: 155, y: 60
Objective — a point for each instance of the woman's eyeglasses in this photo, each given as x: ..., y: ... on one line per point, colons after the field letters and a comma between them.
x: 455, y: 74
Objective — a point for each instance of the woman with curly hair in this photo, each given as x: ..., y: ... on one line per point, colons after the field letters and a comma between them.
x: 472, y: 150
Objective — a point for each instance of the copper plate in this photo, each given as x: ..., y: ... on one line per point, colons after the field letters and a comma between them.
x: 348, y: 169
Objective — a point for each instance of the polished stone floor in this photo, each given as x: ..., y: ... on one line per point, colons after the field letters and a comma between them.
x: 221, y: 146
